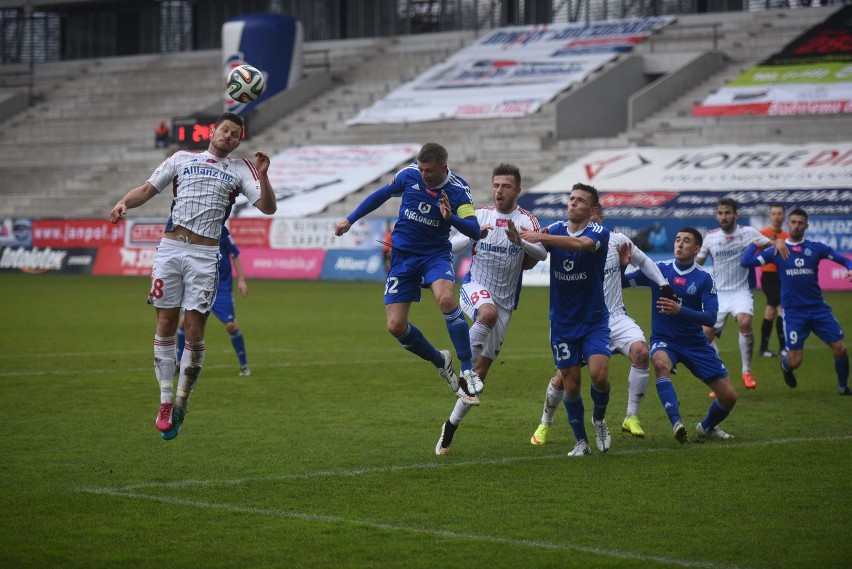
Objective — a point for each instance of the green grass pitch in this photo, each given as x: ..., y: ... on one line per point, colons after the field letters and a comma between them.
x: 324, y: 457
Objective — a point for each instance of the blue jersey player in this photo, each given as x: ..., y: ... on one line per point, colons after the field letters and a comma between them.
x: 434, y: 200
x: 805, y: 311
x: 677, y: 335
x: 223, y: 306
x: 579, y: 319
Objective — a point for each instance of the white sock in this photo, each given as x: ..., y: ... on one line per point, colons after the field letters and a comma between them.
x: 190, y: 368
x: 479, y: 334
x: 165, y: 356
x: 459, y: 411
x: 551, y: 402
x: 746, y: 350
x: 637, y: 385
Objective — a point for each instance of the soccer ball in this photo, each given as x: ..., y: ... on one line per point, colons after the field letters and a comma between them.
x: 245, y: 83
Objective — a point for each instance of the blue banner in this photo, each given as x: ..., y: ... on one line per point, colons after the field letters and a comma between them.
x: 353, y: 265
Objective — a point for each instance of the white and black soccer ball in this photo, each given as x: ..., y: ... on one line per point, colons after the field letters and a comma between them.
x: 244, y: 83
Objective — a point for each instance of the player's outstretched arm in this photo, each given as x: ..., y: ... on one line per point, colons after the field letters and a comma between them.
x: 559, y: 241
x: 752, y: 258
x: 460, y: 242
x: 370, y: 204
x: 266, y: 202
x: 134, y: 198
x: 466, y: 222
x: 534, y: 252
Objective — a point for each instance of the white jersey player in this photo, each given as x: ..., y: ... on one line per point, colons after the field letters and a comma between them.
x: 725, y: 246
x: 625, y: 335
x: 492, y: 287
x: 185, y: 269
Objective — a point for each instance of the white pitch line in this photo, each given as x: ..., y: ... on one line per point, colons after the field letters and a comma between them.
x: 353, y: 472
x: 440, y: 533
x: 111, y: 370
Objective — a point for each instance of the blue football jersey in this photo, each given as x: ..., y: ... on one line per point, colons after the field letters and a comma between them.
x: 799, y: 273
x: 696, y: 290
x: 421, y: 227
x: 576, y: 277
x: 227, y: 248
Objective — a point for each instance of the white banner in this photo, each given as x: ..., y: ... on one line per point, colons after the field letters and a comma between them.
x: 511, y: 72
x: 310, y: 178
x: 754, y: 167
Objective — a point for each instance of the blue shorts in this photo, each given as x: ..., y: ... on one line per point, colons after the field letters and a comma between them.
x: 571, y: 344
x: 700, y: 359
x: 798, y: 325
x: 223, y: 305
x: 408, y: 273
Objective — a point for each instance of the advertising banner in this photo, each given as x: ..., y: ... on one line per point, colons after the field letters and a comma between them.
x: 810, y: 75
x: 353, y: 265
x: 72, y: 261
x: 832, y: 277
x: 308, y: 179
x: 144, y: 232
x: 124, y: 261
x: 76, y: 233
x: 302, y: 264
x: 250, y: 232
x: 668, y: 182
x: 16, y: 232
x: 510, y: 72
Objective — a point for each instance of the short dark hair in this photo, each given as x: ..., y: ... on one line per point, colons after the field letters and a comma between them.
x: 728, y: 202
x: 234, y: 118
x: 798, y: 211
x: 433, y: 153
x: 590, y: 189
x: 776, y: 204
x: 505, y: 169
x: 694, y: 232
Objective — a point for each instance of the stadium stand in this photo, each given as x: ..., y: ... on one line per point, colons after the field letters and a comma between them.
x: 88, y: 137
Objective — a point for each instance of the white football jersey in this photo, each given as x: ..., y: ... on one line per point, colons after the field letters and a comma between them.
x: 203, y: 187
x: 726, y: 249
x: 496, y: 260
x: 612, y: 272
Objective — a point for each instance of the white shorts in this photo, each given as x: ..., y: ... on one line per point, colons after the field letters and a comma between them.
x: 623, y: 333
x: 733, y: 303
x: 184, y: 275
x: 472, y: 297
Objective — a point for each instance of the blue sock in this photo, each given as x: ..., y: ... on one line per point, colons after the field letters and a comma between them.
x: 576, y: 416
x: 668, y: 398
x: 784, y: 364
x: 415, y: 342
x: 181, y: 340
x: 239, y: 346
x: 601, y: 400
x: 715, y: 415
x: 457, y: 327
x: 841, y: 365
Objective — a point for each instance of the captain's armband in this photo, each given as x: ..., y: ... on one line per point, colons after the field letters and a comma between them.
x: 466, y: 210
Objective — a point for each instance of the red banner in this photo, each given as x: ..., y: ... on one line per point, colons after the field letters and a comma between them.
x: 124, y: 261
x: 68, y: 233
x: 250, y: 232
